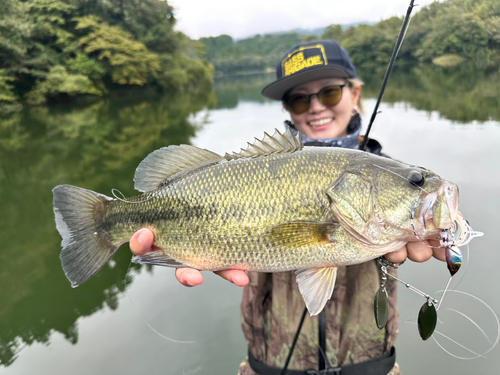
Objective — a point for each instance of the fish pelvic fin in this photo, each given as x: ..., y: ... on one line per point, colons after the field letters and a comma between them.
x: 157, y: 258
x: 316, y: 286
x: 86, y: 247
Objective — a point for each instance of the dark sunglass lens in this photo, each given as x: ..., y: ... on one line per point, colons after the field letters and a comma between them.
x: 330, y: 95
x: 298, y: 103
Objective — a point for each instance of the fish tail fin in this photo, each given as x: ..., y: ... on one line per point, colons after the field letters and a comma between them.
x: 86, y: 246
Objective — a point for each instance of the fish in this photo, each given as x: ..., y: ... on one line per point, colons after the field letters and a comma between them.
x: 275, y: 206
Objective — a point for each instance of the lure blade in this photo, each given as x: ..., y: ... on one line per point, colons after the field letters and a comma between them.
x: 453, y: 259
x: 381, y: 308
x: 427, y: 319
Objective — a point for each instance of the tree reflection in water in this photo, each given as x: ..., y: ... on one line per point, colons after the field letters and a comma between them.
x: 98, y: 145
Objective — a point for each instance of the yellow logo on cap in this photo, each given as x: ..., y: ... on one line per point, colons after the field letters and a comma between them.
x: 295, y: 61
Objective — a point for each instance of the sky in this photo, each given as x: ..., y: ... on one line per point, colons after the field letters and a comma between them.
x: 241, y: 19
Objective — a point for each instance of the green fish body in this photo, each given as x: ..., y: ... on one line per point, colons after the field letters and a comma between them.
x: 277, y: 206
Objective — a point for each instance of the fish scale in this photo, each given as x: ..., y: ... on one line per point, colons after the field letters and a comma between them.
x: 287, y: 207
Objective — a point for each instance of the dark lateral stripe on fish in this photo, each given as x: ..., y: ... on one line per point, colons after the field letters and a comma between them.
x: 119, y: 213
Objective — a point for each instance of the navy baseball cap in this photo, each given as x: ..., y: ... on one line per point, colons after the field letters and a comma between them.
x: 307, y: 62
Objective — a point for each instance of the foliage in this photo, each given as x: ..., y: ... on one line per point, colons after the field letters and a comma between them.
x: 8, y: 100
x: 59, y: 81
x: 101, y: 44
x: 82, y: 64
x: 469, y: 30
x: 360, y: 42
x: 334, y: 32
x: 182, y: 73
x: 130, y: 61
x: 6, y: 94
x: 97, y: 146
x: 466, y: 29
x: 15, y: 30
x: 259, y: 53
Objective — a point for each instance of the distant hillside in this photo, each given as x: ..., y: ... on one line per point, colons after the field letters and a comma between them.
x: 256, y: 54
x: 444, y: 33
x: 320, y: 30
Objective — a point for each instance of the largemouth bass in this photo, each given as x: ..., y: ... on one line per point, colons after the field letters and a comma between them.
x: 276, y: 206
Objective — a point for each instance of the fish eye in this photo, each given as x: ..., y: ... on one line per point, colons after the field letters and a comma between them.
x: 416, y: 178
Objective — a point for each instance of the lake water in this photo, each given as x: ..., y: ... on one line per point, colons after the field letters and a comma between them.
x: 133, y: 320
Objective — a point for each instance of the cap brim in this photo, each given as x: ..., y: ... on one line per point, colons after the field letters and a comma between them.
x: 277, y: 89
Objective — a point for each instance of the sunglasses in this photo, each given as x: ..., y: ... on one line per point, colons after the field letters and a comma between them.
x: 328, y: 96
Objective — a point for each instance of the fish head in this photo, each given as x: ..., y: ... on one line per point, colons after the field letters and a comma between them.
x: 383, y: 200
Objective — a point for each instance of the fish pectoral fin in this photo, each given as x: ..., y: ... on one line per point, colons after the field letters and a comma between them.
x: 301, y: 233
x: 316, y: 286
x: 157, y: 258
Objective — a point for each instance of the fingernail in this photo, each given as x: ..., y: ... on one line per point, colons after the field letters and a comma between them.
x: 143, y: 238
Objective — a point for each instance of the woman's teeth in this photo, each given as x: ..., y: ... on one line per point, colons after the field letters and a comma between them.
x: 323, y: 121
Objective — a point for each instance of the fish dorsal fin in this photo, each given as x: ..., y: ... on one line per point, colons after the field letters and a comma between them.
x: 316, y: 286
x: 276, y: 144
x: 160, y: 166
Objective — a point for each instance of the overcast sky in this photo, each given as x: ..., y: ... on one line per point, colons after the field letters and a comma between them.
x: 240, y: 19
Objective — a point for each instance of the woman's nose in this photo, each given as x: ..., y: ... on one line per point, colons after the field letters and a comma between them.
x: 315, y: 105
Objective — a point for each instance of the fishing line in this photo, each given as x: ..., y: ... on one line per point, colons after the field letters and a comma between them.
x: 124, y: 199
x: 401, y: 35
x: 147, y: 324
x: 497, y: 322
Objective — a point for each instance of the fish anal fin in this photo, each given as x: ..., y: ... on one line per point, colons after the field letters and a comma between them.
x: 301, y: 233
x: 157, y: 258
x: 316, y: 286
x: 166, y: 163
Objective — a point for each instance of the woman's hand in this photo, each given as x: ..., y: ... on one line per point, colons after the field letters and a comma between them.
x: 142, y: 242
x: 417, y: 252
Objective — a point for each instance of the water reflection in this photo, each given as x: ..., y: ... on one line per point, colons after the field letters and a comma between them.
x: 462, y: 94
x: 96, y: 146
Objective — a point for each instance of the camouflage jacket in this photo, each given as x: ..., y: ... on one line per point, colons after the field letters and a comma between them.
x: 272, y: 307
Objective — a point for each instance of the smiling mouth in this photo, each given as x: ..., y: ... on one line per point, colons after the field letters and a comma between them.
x: 321, y: 122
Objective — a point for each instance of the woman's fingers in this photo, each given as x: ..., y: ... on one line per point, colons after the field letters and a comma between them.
x: 188, y: 276
x: 419, y: 252
x: 438, y: 252
x: 397, y: 256
x: 142, y: 241
x: 191, y: 277
x: 237, y: 277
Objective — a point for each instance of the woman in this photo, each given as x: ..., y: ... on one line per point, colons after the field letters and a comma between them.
x: 317, y: 83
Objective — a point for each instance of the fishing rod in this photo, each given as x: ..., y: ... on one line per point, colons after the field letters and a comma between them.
x: 388, y: 72
x: 321, y: 316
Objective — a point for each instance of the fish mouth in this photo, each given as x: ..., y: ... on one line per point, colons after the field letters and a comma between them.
x: 438, y: 210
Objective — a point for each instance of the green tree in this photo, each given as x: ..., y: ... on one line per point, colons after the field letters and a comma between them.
x: 334, y: 32
x: 129, y: 61
x: 58, y: 82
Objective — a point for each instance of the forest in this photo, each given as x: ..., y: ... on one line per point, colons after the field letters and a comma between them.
x: 446, y: 33
x: 52, y: 50
x: 55, y: 50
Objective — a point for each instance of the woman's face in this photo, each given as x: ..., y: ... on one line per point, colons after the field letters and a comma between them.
x: 319, y: 121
